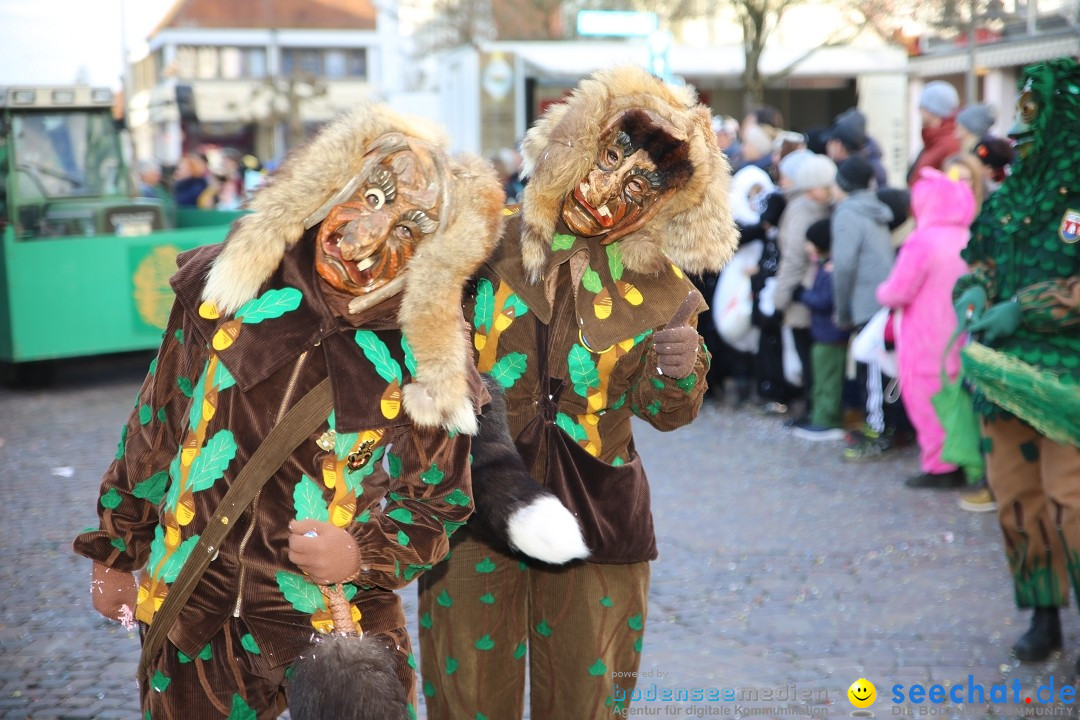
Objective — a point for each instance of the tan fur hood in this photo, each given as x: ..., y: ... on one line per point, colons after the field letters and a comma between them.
x: 297, y: 196
x: 693, y: 229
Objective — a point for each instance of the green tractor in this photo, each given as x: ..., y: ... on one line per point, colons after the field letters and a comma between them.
x: 84, y: 264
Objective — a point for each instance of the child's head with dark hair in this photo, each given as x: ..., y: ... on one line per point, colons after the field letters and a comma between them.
x: 819, y: 234
x: 899, y: 201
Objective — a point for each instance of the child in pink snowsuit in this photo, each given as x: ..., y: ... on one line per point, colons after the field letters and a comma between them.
x: 920, y: 285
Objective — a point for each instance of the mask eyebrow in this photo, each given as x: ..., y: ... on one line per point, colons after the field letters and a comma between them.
x: 623, y: 141
x: 652, y: 176
x: 384, y: 180
x: 421, y: 220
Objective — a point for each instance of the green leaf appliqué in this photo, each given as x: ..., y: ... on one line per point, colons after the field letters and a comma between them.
x: 309, y: 501
x: 271, y: 304
x: 562, y: 242
x: 152, y: 489
x: 209, y: 465
x: 484, y: 309
x: 378, y: 354
x: 590, y: 280
x: 509, y: 368
x: 303, y: 595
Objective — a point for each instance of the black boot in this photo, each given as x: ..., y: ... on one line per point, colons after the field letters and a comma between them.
x: 1042, y: 638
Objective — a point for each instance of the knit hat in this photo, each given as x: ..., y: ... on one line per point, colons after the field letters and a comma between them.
x: 899, y: 201
x: 850, y: 130
x: 789, y: 164
x: 853, y: 174
x: 815, y: 171
x: 820, y: 234
x: 976, y: 119
x: 939, y: 98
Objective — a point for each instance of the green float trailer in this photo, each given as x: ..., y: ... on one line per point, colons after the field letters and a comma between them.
x: 84, y: 265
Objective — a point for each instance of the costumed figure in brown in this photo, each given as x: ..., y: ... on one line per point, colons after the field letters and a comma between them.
x: 585, y: 318
x: 339, y: 298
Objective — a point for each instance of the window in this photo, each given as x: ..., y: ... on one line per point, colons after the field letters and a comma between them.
x: 207, y: 63
x: 301, y: 61
x: 185, y: 61
x: 232, y: 63
x: 346, y: 63
x: 255, y: 62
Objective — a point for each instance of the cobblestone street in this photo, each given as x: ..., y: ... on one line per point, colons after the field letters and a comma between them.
x: 783, y: 570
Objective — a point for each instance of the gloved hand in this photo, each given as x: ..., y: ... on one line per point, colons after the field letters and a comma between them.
x: 997, y: 323
x: 677, y: 344
x: 970, y: 306
x: 326, y: 553
x: 114, y: 593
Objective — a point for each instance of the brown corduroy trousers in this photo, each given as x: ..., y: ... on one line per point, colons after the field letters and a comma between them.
x: 482, y: 613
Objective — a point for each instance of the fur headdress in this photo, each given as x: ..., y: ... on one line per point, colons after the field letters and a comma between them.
x: 304, y: 190
x: 693, y: 229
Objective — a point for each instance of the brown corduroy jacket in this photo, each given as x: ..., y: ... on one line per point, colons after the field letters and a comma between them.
x: 217, y: 387
x: 575, y: 358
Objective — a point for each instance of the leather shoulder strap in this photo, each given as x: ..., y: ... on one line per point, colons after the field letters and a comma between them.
x: 299, y: 422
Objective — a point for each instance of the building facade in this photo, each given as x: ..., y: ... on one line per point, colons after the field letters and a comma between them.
x: 256, y: 76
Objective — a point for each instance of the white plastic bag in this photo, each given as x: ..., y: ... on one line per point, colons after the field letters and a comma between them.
x: 869, y: 345
x: 733, y: 301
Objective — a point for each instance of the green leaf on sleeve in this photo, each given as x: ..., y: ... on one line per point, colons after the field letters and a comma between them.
x: 403, y: 539
x: 562, y: 242
x: 614, y: 258
x: 458, y: 497
x: 590, y: 280
x: 157, y: 550
x: 185, y: 386
x: 509, y: 368
x: 410, y: 359
x: 271, y: 304
x: 119, y: 544
x: 111, y: 499
x: 393, y: 463
x: 513, y: 302
x: 309, y: 501
x: 582, y: 367
x: 152, y: 489
x: 146, y: 413
x: 122, y: 445
x: 433, y: 475
x: 484, y: 309
x: 209, y: 465
x: 250, y: 645
x: 176, y: 561
x: 378, y: 354
x: 303, y: 595
x: 223, y: 379
x: 568, y: 426
x: 401, y: 515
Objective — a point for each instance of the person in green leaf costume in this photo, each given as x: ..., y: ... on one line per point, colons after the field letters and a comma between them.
x: 1022, y: 302
x: 351, y: 268
x: 584, y: 316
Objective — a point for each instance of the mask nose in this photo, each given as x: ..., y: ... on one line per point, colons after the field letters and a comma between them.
x: 363, y: 236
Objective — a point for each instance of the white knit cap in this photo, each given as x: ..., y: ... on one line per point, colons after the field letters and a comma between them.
x: 815, y: 171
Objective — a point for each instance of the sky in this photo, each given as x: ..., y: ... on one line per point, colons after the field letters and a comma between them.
x: 58, y: 42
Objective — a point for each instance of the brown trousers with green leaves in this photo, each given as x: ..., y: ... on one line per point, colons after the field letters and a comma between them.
x: 1036, y: 483
x: 482, y: 613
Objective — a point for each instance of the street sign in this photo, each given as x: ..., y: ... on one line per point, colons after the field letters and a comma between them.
x: 616, y: 23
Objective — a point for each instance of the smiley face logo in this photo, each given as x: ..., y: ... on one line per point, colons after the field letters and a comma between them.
x: 862, y: 693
